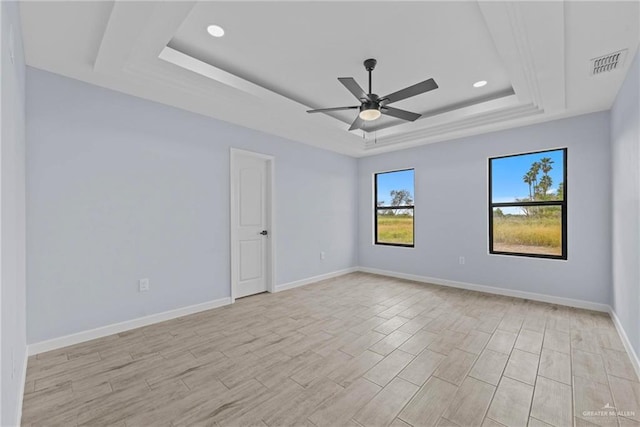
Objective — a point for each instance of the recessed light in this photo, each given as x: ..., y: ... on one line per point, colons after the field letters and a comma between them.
x: 215, y: 30
x: 480, y: 83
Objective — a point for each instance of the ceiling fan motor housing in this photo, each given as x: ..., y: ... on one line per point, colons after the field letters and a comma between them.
x: 369, y: 106
x: 372, y: 103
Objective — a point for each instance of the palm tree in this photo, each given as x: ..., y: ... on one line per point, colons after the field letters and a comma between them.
x: 545, y: 181
x: 528, y: 179
x: 545, y: 184
x: 545, y: 164
x: 535, y: 168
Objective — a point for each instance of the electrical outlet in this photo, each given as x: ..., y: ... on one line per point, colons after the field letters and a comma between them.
x: 143, y: 285
x: 322, y: 255
x: 461, y: 260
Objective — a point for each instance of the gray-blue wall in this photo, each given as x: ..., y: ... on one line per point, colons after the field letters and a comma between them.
x: 120, y: 188
x: 451, y: 214
x: 625, y: 145
x: 12, y: 224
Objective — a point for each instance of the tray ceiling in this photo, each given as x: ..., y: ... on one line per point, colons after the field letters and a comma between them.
x: 278, y: 59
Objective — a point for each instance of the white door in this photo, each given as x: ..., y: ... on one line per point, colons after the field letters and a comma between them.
x: 249, y: 183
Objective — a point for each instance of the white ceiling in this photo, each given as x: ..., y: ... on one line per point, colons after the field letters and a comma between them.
x: 278, y: 59
x: 292, y: 50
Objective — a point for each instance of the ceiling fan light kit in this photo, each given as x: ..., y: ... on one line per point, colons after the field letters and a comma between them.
x: 372, y: 106
x: 369, y: 111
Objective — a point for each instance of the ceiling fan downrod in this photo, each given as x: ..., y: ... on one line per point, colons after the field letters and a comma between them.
x: 370, y: 65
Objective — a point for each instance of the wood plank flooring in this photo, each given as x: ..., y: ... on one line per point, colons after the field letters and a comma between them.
x: 358, y: 350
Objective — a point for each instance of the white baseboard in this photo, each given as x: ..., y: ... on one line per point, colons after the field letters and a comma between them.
x: 115, y: 328
x: 103, y: 331
x: 633, y: 356
x: 309, y: 280
x: 492, y: 290
x: 635, y: 361
x: 22, y: 385
x: 80, y: 337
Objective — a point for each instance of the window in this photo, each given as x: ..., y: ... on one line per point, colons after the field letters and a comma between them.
x: 528, y: 204
x: 394, y: 208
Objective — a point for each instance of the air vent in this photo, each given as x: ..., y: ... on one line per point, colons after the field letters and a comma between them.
x: 606, y: 63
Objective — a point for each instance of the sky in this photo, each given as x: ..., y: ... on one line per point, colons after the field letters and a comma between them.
x: 401, y: 180
x: 507, y: 178
x: 508, y: 172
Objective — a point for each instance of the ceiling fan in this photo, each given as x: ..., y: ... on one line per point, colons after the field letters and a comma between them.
x: 372, y: 106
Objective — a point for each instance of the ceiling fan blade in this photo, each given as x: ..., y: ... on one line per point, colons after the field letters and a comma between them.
x: 410, y: 91
x: 325, y: 110
x: 357, y: 123
x: 353, y: 87
x: 400, y: 114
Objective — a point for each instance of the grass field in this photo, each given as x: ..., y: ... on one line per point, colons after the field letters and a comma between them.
x: 528, y: 234
x: 516, y: 233
x: 395, y: 229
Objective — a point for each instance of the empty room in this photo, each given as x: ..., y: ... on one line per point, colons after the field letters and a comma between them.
x: 320, y: 213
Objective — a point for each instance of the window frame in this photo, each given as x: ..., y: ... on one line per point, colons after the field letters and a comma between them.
x: 562, y: 203
x: 376, y: 208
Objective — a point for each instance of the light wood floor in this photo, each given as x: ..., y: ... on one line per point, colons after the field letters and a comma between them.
x: 356, y: 350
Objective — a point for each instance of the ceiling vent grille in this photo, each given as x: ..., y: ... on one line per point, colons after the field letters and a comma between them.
x: 606, y: 63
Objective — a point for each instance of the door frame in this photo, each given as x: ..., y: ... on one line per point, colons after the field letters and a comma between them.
x: 270, y: 225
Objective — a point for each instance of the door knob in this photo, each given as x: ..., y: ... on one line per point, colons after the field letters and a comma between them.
x: 264, y: 232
